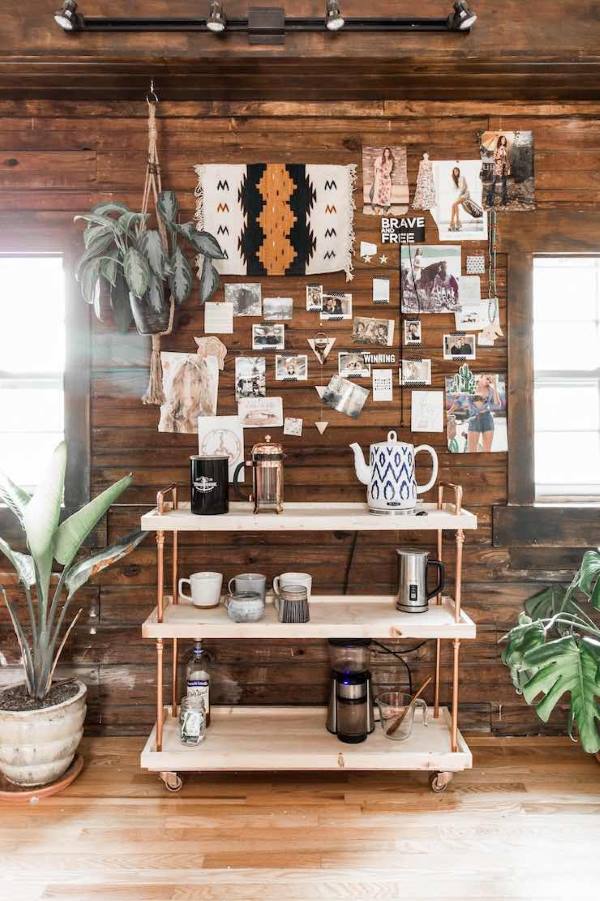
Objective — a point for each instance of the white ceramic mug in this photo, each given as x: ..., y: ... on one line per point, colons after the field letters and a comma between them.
x: 293, y: 579
x: 205, y: 589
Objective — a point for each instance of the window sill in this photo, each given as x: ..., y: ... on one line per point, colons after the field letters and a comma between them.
x: 569, y: 525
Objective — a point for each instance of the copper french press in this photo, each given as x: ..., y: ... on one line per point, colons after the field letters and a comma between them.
x: 266, y: 460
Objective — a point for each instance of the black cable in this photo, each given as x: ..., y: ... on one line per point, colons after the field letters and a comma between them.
x: 350, y: 562
x: 401, y: 659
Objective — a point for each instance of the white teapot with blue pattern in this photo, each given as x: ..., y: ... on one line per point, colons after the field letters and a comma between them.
x: 390, y: 474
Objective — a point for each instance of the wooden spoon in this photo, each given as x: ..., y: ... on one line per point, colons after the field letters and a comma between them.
x: 399, y: 719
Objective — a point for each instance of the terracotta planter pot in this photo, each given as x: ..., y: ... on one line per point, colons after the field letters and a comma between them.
x: 37, y: 746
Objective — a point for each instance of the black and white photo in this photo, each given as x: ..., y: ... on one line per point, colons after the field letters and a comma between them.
x: 278, y: 308
x: 415, y: 372
x: 412, y: 331
x: 246, y: 299
x: 345, y: 397
x: 268, y: 337
x: 352, y: 365
x: 336, y: 306
x: 459, y: 347
x: 368, y: 330
x: 314, y: 298
x: 291, y: 367
x: 429, y: 278
x: 250, y: 377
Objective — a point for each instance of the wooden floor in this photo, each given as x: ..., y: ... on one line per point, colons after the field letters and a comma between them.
x: 524, y: 824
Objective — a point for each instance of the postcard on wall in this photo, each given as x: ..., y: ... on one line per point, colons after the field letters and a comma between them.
x: 381, y: 290
x: 246, y: 299
x: 336, y: 306
x: 222, y: 436
x: 383, y: 389
x: 367, y: 250
x: 429, y: 278
x: 469, y: 289
x: 507, y: 170
x: 218, y: 318
x: 385, y: 180
x: 250, y: 377
x: 472, y: 317
x: 292, y: 426
x: 268, y: 337
x: 278, y: 308
x: 314, y: 298
x: 427, y: 411
x: 459, y: 212
x: 366, y: 330
x: 190, y: 386
x: 345, y: 396
x: 415, y: 372
x: 476, y: 412
x: 352, y: 365
x: 261, y: 412
x: 291, y: 367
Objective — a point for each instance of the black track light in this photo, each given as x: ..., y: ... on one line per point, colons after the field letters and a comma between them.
x: 462, y: 18
x: 334, y: 19
x: 216, y: 20
x: 68, y: 18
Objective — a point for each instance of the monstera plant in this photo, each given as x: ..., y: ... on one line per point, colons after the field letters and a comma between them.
x: 555, y: 651
x: 41, y: 721
x: 131, y: 272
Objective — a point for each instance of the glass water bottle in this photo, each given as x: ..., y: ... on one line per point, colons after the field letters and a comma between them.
x: 197, y: 676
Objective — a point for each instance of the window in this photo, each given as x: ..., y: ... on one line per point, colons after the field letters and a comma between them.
x: 32, y: 363
x: 566, y: 333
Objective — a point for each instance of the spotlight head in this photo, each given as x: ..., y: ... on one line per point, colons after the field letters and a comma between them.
x: 334, y: 19
x: 68, y: 18
x: 216, y: 20
x: 462, y: 18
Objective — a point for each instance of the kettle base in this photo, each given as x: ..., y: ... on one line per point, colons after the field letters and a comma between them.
x: 405, y: 512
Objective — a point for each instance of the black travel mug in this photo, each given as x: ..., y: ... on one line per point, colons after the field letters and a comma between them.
x: 209, y: 485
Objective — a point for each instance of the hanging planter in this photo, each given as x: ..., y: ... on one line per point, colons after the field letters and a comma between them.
x: 132, y: 274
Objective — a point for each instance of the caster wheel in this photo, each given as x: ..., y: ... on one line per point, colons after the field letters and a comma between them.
x: 173, y: 782
x: 439, y: 782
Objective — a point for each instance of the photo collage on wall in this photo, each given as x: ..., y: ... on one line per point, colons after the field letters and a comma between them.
x: 428, y: 339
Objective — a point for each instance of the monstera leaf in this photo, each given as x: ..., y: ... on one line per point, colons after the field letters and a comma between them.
x: 589, y: 577
x: 568, y: 665
x: 525, y: 637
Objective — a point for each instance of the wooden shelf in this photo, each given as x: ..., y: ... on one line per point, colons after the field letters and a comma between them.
x: 309, y: 518
x: 332, y: 616
x: 295, y: 738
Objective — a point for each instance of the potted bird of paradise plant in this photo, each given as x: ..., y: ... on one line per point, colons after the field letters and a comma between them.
x: 41, y: 719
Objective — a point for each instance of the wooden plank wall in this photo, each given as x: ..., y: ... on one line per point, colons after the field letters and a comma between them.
x: 59, y: 158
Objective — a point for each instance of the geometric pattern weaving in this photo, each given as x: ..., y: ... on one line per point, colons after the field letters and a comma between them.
x: 278, y: 218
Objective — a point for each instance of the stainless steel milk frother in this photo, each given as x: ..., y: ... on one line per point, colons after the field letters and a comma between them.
x: 413, y: 565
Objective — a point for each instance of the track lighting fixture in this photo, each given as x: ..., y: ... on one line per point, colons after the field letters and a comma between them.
x: 216, y: 20
x: 462, y: 18
x: 68, y: 18
x: 334, y: 19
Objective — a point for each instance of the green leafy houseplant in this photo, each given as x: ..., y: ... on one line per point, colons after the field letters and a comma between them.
x: 41, y: 633
x: 134, y: 270
x: 555, y: 650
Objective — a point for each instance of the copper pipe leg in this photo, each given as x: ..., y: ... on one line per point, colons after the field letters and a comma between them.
x: 456, y: 649
x: 436, y: 698
x: 174, y: 690
x: 160, y: 577
x: 460, y: 538
x: 159, y: 694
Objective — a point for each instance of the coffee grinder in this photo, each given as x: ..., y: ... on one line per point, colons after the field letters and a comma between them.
x: 350, y: 712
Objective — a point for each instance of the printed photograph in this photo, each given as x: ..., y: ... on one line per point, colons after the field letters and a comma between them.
x: 429, y: 278
x: 292, y: 426
x: 222, y: 436
x: 336, y: 306
x: 472, y: 316
x: 246, y: 299
x: 352, y: 365
x: 415, y: 372
x: 250, y: 377
x: 278, y: 308
x: 190, y: 386
x: 291, y: 368
x: 268, y: 337
x: 261, y: 412
x: 459, y: 212
x: 412, y: 331
x: 476, y: 412
x: 507, y: 172
x: 314, y: 298
x: 385, y: 180
x: 373, y: 331
x: 345, y: 397
x: 459, y: 347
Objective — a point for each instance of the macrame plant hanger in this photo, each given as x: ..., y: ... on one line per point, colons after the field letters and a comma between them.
x: 152, y: 188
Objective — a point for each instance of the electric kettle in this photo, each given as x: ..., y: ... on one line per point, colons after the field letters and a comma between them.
x: 390, y: 475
